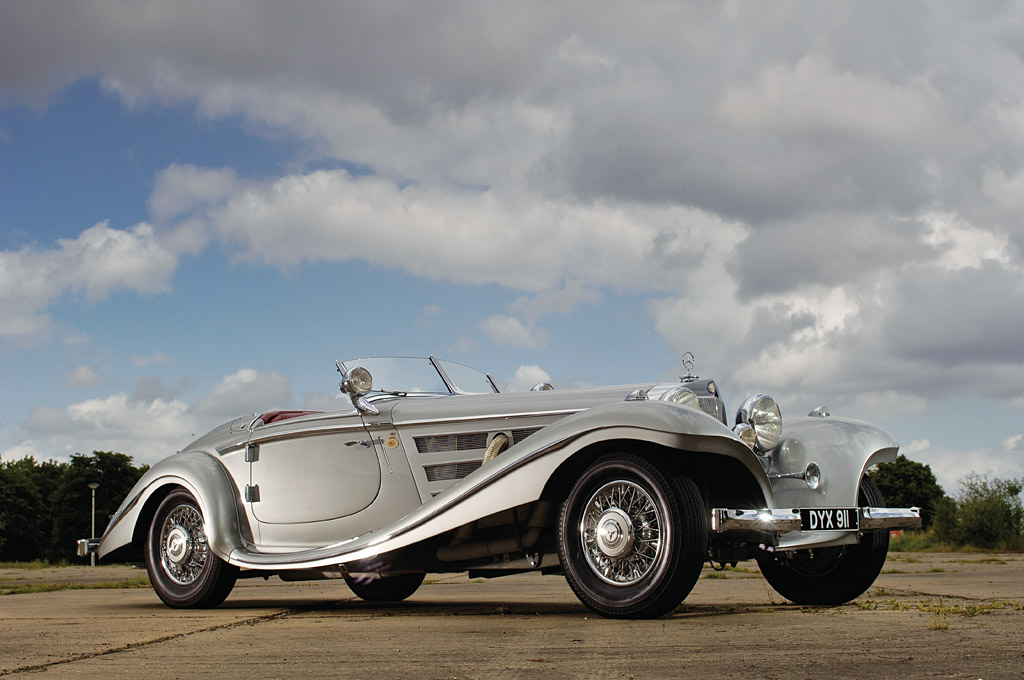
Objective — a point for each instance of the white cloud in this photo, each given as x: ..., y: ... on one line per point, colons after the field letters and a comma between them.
x: 509, y: 330
x: 525, y: 378
x: 146, y: 431
x: 246, y: 391
x: 966, y: 245
x: 1005, y: 461
x: 831, y: 208
x: 562, y: 301
x: 156, y: 357
x: 151, y: 423
x: 99, y: 261
x: 443, y: 233
x: 182, y: 188
x: 83, y: 376
x: 1007, y: 190
x: 814, y: 95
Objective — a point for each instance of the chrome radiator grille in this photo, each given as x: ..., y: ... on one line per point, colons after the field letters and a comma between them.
x: 713, y: 406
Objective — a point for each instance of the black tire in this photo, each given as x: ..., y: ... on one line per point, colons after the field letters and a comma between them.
x: 389, y: 589
x: 182, y: 568
x: 650, y: 554
x: 831, y: 576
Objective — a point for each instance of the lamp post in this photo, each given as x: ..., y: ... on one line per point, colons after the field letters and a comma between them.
x: 92, y: 530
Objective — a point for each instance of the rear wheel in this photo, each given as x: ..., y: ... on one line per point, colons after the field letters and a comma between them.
x: 183, y: 570
x: 388, y: 589
x: 631, y: 540
x: 830, y: 576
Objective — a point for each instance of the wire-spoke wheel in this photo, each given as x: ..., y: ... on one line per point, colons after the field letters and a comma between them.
x: 631, y: 537
x: 182, y: 568
x: 830, y: 576
x: 621, y: 529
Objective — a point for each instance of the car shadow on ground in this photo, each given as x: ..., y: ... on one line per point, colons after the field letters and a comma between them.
x: 427, y: 607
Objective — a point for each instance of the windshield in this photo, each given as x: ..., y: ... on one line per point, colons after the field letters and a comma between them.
x: 416, y: 374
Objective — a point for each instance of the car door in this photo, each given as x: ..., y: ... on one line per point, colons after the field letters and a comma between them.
x: 312, y: 469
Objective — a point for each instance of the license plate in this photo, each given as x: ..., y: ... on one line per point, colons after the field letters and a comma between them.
x: 829, y: 519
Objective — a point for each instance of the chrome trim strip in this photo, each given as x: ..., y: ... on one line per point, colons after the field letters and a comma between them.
x: 890, y: 518
x: 307, y: 432
x: 489, y: 416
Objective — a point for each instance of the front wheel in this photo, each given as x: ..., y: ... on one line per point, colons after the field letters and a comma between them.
x: 183, y: 570
x: 388, y: 589
x: 631, y: 540
x: 830, y: 576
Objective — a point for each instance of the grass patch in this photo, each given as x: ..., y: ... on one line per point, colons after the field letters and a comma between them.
x: 938, y: 623
x: 983, y: 560
x: 8, y: 588
x: 939, y: 608
x: 37, y: 564
x: 925, y: 541
x: 715, y: 575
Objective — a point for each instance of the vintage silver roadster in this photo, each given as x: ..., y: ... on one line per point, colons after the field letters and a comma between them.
x: 625, y: 490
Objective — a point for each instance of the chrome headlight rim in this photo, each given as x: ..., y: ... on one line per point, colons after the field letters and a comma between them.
x: 761, y: 413
x: 357, y: 381
x: 682, y: 396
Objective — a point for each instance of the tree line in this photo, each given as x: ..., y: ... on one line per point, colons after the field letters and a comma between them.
x: 985, y: 513
x: 46, y: 507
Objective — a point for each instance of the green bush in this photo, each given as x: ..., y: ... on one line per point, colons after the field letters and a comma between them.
x: 905, y: 483
x: 987, y: 514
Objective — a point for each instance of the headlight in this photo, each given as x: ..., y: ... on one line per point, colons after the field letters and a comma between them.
x: 357, y: 381
x: 683, y: 396
x: 762, y: 414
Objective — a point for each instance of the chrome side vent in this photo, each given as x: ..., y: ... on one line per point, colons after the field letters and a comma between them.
x: 520, y: 435
x: 447, y: 472
x: 447, y: 443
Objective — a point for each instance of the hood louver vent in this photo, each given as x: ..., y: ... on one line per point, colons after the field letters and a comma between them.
x: 452, y: 442
x: 520, y: 435
x: 450, y: 471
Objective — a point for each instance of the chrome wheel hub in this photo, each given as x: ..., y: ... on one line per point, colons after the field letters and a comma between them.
x: 620, y: 531
x: 614, y: 533
x: 183, y: 545
x: 177, y: 547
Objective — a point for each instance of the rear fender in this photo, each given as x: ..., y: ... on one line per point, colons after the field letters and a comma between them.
x: 203, y: 476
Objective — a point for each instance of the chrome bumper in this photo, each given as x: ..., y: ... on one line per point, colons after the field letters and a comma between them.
x: 87, y: 546
x: 781, y: 521
x: 890, y: 518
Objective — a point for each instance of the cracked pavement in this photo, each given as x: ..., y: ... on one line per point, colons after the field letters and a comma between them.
x: 927, y: 615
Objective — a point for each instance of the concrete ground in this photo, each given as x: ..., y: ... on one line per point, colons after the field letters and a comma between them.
x: 928, y: 615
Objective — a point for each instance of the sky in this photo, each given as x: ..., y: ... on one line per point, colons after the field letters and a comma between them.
x: 204, y: 205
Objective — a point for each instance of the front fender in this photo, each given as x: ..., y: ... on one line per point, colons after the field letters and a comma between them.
x: 211, y: 485
x: 844, y: 449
